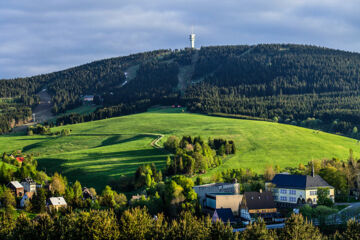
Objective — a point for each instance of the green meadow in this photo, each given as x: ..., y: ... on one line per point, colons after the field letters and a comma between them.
x: 99, y: 151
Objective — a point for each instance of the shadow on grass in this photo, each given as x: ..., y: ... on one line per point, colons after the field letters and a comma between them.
x: 97, y: 169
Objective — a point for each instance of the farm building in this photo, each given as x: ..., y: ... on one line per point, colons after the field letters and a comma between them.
x: 56, y: 203
x: 17, y: 188
x: 88, y: 98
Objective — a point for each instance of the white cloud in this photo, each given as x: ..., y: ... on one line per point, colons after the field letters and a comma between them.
x: 43, y: 36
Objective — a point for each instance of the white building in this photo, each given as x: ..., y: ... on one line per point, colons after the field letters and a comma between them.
x: 290, y: 189
x: 29, y: 185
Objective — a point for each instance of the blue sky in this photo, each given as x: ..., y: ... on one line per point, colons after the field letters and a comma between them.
x: 40, y: 36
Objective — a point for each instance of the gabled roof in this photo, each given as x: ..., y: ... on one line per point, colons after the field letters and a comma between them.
x: 257, y: 200
x: 16, y: 184
x: 225, y: 214
x: 299, y: 181
x: 56, y: 201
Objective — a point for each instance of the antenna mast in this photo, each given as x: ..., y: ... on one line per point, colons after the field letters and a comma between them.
x: 192, y: 38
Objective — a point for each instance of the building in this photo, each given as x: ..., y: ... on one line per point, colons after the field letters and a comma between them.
x: 223, y: 214
x: 20, y: 159
x: 29, y: 185
x: 291, y: 190
x: 258, y: 204
x: 27, y: 196
x: 223, y: 200
x: 87, y: 194
x: 17, y: 188
x: 212, y: 188
x: 88, y: 98
x: 56, y: 203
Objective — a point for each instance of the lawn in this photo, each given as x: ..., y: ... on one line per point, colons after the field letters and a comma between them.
x: 98, y: 151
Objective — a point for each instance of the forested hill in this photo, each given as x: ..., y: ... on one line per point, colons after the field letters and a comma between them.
x: 289, y: 83
x: 303, y: 85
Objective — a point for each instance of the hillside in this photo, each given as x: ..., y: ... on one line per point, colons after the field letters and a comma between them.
x: 99, y: 151
x: 303, y: 85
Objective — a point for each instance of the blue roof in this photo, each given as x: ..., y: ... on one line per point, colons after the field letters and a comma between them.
x: 225, y: 214
x: 299, y: 181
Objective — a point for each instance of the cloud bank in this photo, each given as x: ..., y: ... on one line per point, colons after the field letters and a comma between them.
x: 43, y: 36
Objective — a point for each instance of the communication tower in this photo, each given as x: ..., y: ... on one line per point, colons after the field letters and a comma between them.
x: 192, y: 39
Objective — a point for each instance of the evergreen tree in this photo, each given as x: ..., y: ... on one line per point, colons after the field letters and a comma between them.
x: 296, y: 228
x: 256, y: 230
x: 38, y: 201
x: 77, y: 190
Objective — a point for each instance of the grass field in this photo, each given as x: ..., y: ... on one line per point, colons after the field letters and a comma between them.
x: 98, y: 151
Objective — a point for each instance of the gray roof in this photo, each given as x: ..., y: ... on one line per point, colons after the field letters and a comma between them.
x: 299, y: 181
x: 225, y: 214
x: 16, y: 184
x: 29, y: 180
x: 257, y: 200
x: 56, y: 201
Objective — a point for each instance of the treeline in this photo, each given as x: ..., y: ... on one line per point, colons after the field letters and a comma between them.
x: 67, y: 86
x: 194, y: 155
x: 285, y: 83
x: 137, y: 223
x: 155, y: 82
x: 14, y: 111
x: 11, y: 168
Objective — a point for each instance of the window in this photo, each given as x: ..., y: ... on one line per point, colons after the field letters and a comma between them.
x: 283, y: 198
x: 292, y: 199
x: 276, y: 198
x: 313, y: 193
x: 283, y: 191
x: 292, y: 192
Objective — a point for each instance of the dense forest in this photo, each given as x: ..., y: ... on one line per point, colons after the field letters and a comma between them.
x: 302, y: 85
x: 286, y: 83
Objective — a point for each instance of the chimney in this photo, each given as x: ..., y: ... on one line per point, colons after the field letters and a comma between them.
x: 313, y: 170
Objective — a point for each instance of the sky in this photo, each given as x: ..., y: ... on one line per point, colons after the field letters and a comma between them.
x: 42, y: 36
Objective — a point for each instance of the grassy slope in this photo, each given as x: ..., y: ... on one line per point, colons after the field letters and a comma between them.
x: 98, y: 151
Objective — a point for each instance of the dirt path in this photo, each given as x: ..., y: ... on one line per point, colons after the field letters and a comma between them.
x: 155, y: 143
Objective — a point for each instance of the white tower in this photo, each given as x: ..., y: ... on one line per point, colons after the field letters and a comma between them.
x: 192, y: 39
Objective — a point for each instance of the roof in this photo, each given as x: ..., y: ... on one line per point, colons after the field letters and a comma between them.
x: 215, y: 185
x: 16, y: 184
x: 20, y: 159
x: 299, y: 181
x: 222, y: 193
x: 257, y: 200
x: 57, y: 201
x: 28, y: 180
x: 225, y: 214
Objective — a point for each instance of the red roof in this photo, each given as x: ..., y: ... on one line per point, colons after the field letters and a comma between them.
x: 20, y: 159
